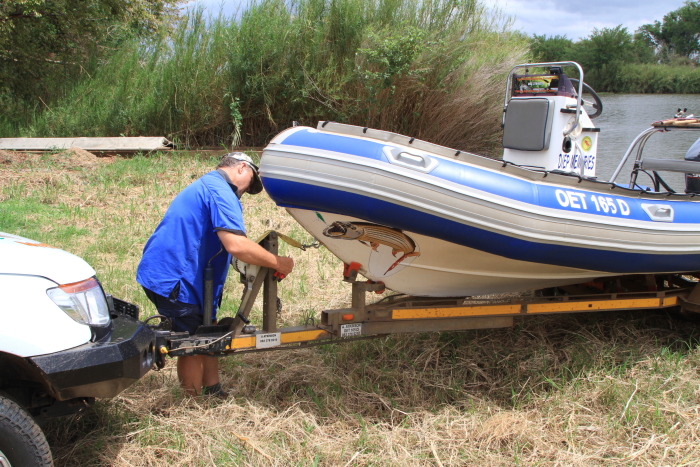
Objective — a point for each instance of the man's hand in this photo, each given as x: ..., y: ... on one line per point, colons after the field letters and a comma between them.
x: 250, y: 252
x: 285, y: 264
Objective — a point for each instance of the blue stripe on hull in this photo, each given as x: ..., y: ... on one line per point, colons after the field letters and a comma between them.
x: 616, y: 204
x: 463, y: 174
x: 298, y: 195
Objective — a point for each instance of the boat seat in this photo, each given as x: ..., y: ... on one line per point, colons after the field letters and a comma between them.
x: 669, y: 165
x: 528, y: 124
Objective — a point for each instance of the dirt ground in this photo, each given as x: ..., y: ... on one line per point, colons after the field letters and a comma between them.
x: 68, y: 158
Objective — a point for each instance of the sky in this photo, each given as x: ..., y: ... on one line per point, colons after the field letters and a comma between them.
x: 574, y: 19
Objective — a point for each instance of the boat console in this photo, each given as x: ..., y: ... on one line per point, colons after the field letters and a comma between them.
x: 545, y: 125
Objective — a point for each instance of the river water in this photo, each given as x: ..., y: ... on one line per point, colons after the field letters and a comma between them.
x: 625, y: 116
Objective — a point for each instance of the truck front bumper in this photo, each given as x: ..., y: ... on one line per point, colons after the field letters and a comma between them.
x: 103, y: 368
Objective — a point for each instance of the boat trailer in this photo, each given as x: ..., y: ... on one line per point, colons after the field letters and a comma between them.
x: 400, y: 314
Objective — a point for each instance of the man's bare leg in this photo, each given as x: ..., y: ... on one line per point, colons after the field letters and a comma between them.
x: 197, y: 371
x: 190, y: 371
x: 210, y: 375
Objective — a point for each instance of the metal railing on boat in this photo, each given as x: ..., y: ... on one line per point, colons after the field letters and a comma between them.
x: 640, y: 142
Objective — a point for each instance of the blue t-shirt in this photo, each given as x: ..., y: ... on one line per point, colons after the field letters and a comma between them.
x: 177, y: 253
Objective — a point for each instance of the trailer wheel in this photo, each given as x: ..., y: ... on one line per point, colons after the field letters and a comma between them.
x: 22, y: 443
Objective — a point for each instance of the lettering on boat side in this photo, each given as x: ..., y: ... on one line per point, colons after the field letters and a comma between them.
x: 582, y: 201
x: 574, y: 161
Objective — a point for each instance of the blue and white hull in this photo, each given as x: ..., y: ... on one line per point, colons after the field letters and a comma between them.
x: 470, y: 225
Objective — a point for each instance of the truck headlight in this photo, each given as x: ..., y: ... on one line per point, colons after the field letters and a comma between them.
x: 83, y: 301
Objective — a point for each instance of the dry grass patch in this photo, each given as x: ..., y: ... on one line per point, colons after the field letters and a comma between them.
x: 152, y: 424
x: 379, y: 403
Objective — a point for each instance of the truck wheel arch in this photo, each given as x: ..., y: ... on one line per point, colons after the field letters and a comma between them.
x: 15, y: 368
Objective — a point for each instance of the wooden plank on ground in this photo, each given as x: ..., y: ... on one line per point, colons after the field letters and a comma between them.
x: 111, y: 144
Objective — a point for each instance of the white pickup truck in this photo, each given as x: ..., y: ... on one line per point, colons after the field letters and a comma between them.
x: 63, y: 342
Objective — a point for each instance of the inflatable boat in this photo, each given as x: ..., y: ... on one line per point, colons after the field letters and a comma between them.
x: 428, y: 220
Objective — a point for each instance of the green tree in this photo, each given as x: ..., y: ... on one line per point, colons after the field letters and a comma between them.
x: 43, y: 42
x: 550, y: 49
x: 605, y: 51
x: 642, y: 49
x: 603, y: 47
x: 678, y: 33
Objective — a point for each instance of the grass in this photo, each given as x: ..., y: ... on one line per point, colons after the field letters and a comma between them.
x: 583, y: 390
x: 398, y: 65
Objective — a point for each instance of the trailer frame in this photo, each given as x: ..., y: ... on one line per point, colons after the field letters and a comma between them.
x: 404, y: 314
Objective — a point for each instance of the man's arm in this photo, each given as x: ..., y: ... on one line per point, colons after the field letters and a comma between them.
x: 250, y: 252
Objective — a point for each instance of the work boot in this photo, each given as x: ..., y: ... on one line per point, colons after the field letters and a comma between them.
x: 215, y: 391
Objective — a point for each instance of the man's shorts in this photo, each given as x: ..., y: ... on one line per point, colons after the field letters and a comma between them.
x: 185, y: 317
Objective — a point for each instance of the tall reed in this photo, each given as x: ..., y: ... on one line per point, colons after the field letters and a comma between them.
x: 432, y: 69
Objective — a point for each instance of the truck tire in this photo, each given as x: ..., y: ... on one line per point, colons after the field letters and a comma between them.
x: 22, y: 443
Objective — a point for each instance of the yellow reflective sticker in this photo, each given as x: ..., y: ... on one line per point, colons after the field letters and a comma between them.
x: 586, y: 143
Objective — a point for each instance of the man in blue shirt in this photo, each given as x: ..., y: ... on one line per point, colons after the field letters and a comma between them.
x: 203, y: 225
